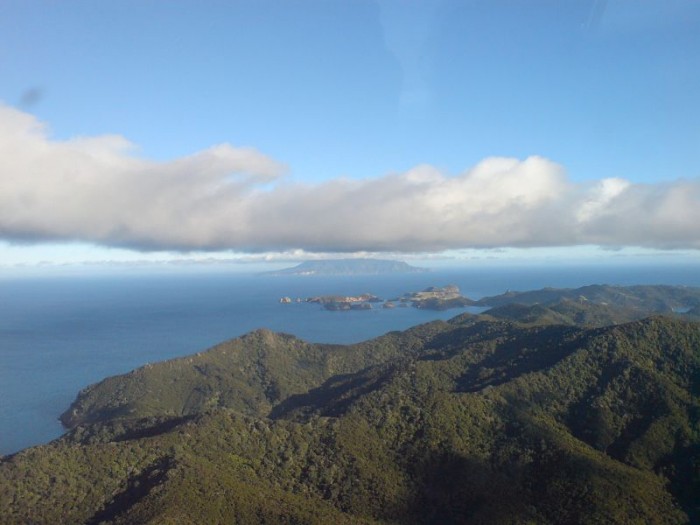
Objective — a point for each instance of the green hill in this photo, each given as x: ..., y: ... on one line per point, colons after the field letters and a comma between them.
x: 475, y: 420
x: 567, y: 311
x: 250, y: 374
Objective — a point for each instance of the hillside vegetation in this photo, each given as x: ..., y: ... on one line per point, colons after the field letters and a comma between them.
x: 642, y: 298
x: 481, y: 419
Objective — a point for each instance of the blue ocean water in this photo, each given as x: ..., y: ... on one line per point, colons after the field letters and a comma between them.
x: 58, y: 335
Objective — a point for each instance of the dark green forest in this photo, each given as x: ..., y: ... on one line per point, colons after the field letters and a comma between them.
x: 526, y: 414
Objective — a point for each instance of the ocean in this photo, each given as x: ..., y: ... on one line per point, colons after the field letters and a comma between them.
x: 60, y: 334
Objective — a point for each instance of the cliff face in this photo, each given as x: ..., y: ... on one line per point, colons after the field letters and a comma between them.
x: 475, y: 420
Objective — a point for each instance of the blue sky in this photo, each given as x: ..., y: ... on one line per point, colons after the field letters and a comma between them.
x: 216, y: 129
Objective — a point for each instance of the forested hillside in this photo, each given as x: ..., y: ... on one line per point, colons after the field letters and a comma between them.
x: 476, y: 420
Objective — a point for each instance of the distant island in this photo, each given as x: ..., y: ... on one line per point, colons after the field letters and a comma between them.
x: 352, y: 302
x: 349, y: 267
x: 437, y: 298
x: 433, y: 298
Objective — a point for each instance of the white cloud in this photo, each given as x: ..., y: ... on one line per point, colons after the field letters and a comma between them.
x: 600, y: 197
x: 95, y: 190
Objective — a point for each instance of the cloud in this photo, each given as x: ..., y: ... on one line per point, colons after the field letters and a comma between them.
x: 31, y: 97
x: 94, y: 189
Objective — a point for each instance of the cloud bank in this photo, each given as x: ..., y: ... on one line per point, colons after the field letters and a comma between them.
x: 96, y: 190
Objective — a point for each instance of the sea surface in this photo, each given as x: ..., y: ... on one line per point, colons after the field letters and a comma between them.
x: 60, y: 334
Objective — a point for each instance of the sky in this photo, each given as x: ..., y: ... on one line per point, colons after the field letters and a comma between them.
x: 156, y: 131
